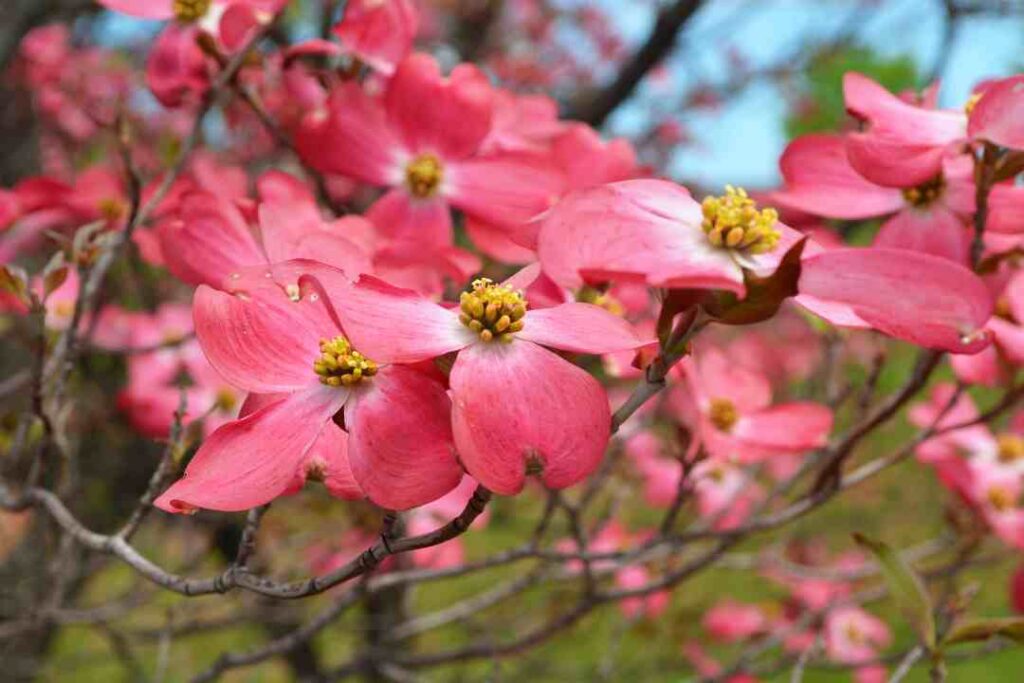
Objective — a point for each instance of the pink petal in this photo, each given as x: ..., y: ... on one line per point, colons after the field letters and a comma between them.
x: 329, y: 458
x: 176, y: 67
x: 786, y: 428
x: 919, y: 298
x: 143, y: 9
x: 379, y: 33
x: 264, y: 343
x: 252, y: 461
x: 403, y: 217
x: 999, y: 115
x: 936, y: 231
x: 209, y: 241
x: 448, y: 116
x: 497, y: 243
x: 400, y: 439
x: 503, y: 189
x: 1006, y: 210
x: 395, y: 325
x: 712, y: 374
x: 352, y: 138
x: 647, y: 230
x: 580, y: 328
x: 820, y: 180
x: 516, y: 406
x: 904, y: 144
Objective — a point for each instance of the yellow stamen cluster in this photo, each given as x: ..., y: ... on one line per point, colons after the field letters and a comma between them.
x: 733, y: 221
x: 111, y: 208
x: 226, y: 400
x: 188, y: 11
x: 925, y: 193
x: 341, y: 365
x: 423, y: 176
x: 492, y: 311
x: 855, y: 635
x: 723, y: 414
x: 1010, y: 447
x: 1000, y: 499
x: 971, y: 103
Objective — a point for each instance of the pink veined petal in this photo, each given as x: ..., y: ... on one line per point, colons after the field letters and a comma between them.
x: 1006, y: 210
x: 353, y: 138
x: 393, y: 325
x: 252, y: 461
x: 518, y: 406
x: 587, y: 160
x: 1014, y: 294
x: 497, y: 242
x: 786, y: 428
x: 402, y: 217
x: 524, y: 277
x: 999, y: 115
x: 328, y: 459
x: 820, y: 180
x: 448, y: 116
x: 379, y: 33
x: 143, y: 9
x: 923, y: 299
x: 503, y: 189
x: 936, y: 231
x: 400, y: 439
x: 646, y: 230
x: 904, y: 144
x: 237, y: 24
x: 209, y: 241
x: 264, y: 343
x: 580, y: 328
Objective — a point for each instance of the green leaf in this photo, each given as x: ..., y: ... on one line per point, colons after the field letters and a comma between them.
x: 974, y: 630
x: 764, y: 295
x: 906, y: 587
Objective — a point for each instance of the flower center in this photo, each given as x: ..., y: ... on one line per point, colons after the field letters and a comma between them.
x: 1010, y: 448
x: 188, y: 11
x: 589, y: 295
x: 111, y: 208
x: 225, y: 400
x: 492, y: 311
x: 723, y: 413
x: 1000, y: 499
x: 971, y: 103
x: 341, y: 365
x: 423, y: 175
x: 925, y: 193
x: 733, y: 221
x: 854, y: 635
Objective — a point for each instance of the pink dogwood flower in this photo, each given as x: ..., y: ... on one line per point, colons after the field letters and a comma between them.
x: 729, y: 408
x: 653, y: 231
x: 517, y: 408
x: 929, y: 216
x: 422, y: 140
x: 291, y: 347
x: 852, y: 636
x: 997, y: 113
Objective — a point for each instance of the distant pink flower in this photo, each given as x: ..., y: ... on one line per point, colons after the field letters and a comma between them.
x: 729, y: 409
x: 852, y: 636
x: 290, y: 346
x: 730, y: 621
x: 653, y: 231
x: 726, y: 494
x: 518, y: 409
x: 423, y: 140
x: 649, y: 606
x: 378, y: 32
x: 930, y: 216
x: 226, y: 19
